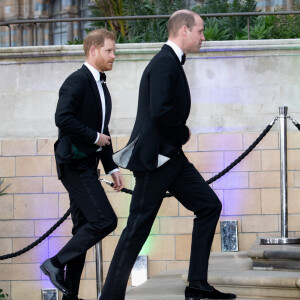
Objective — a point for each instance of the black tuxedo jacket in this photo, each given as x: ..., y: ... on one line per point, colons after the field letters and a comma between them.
x: 79, y: 117
x: 163, y: 108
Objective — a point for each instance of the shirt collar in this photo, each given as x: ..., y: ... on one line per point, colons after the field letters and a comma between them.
x: 176, y: 49
x: 94, y: 72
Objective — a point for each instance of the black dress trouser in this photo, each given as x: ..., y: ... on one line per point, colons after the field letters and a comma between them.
x: 185, y: 183
x: 92, y: 216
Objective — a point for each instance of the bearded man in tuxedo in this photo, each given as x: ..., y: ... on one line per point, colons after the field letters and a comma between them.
x: 82, y: 117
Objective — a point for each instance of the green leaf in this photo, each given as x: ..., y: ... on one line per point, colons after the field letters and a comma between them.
x: 2, y: 190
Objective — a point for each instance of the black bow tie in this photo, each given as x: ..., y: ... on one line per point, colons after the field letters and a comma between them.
x: 102, y: 77
x: 183, y: 59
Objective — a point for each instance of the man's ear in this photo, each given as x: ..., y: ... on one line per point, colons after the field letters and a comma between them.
x: 184, y: 30
x: 93, y: 51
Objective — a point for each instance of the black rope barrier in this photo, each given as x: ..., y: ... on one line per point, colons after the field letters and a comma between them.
x: 226, y: 170
x: 295, y: 123
x: 39, y: 240
x: 128, y: 191
x: 243, y: 155
x: 125, y: 190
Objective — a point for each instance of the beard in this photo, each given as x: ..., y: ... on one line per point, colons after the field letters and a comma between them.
x: 104, y: 65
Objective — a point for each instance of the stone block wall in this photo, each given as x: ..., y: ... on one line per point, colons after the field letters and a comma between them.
x: 250, y: 194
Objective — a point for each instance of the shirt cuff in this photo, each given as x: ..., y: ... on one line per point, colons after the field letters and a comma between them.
x: 113, y: 171
x: 98, y: 137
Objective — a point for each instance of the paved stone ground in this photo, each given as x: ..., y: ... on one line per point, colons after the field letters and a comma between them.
x: 165, y: 286
x: 169, y: 285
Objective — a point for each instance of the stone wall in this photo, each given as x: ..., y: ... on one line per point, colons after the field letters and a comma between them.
x: 236, y: 89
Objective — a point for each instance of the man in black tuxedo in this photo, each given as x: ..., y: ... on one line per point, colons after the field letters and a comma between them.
x: 154, y: 154
x: 82, y: 116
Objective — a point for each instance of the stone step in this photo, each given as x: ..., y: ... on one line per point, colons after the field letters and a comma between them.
x: 166, y: 286
x: 169, y: 286
x: 281, y: 257
x: 228, y: 272
x: 233, y: 273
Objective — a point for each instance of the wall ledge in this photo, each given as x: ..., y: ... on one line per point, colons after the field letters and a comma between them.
x: 151, y: 48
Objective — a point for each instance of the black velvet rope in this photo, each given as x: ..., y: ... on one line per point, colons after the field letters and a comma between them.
x: 39, y: 240
x: 242, y: 156
x: 125, y: 190
x: 295, y: 123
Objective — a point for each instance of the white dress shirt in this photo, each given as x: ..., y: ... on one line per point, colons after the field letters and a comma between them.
x: 176, y: 49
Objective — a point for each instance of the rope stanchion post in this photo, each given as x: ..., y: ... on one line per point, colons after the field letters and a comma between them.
x: 284, y: 239
x: 283, y: 171
x: 99, y: 269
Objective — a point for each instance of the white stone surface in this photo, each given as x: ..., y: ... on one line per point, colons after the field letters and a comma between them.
x: 235, y: 85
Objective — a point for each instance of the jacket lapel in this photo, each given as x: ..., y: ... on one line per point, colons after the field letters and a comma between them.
x: 187, y: 89
x: 94, y: 88
x: 107, y: 106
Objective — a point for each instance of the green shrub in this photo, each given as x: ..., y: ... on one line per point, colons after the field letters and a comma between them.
x: 233, y: 26
x: 214, y: 32
x: 76, y: 41
x: 3, y: 295
x: 284, y: 26
x: 225, y: 28
x: 134, y: 31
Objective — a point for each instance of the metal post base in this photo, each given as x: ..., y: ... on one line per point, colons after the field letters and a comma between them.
x: 279, y: 241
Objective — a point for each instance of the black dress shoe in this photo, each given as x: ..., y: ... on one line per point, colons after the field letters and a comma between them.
x: 71, y: 298
x: 197, y: 294
x: 56, y: 276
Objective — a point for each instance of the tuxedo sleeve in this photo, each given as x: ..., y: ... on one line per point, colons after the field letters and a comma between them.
x: 106, y: 157
x: 163, y: 80
x: 70, y: 98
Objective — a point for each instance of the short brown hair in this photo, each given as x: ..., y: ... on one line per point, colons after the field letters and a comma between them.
x: 180, y: 18
x: 96, y: 38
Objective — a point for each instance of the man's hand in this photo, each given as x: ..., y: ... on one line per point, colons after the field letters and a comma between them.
x: 118, y: 181
x: 104, y: 140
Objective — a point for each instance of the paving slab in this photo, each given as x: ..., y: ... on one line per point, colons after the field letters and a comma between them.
x: 228, y: 272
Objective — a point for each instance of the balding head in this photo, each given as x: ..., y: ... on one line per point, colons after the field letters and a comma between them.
x: 179, y: 19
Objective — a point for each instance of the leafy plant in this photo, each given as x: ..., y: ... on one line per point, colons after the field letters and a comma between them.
x: 133, y: 31
x: 110, y: 8
x: 76, y: 41
x: 258, y: 31
x: 3, y: 295
x: 233, y: 25
x: 3, y: 189
x: 225, y: 28
x: 213, y: 32
x: 284, y: 26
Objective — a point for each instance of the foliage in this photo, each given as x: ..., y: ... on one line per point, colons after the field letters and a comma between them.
x: 76, y: 41
x: 3, y: 295
x: 284, y: 26
x: 110, y: 8
x: 221, y: 28
x: 258, y: 31
x: 268, y: 27
x: 2, y: 189
x: 133, y: 31
x: 214, y: 32
x: 234, y: 25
